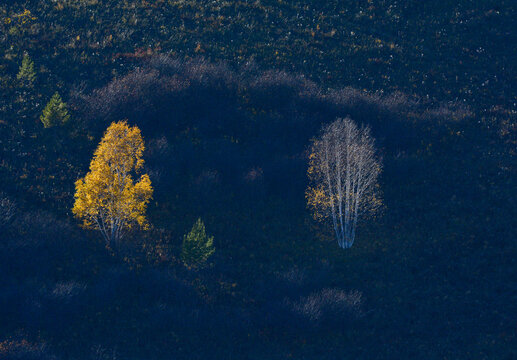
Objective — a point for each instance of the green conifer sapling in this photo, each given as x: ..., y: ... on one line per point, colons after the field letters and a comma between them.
x: 55, y: 113
x: 26, y: 74
x: 197, y: 246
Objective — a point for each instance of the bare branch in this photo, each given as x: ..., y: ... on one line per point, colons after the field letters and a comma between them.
x: 345, y: 166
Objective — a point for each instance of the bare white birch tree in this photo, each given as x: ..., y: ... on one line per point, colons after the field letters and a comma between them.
x: 343, y: 168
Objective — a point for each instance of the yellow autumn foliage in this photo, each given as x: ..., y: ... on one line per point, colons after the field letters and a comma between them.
x: 107, y: 198
x: 318, y: 199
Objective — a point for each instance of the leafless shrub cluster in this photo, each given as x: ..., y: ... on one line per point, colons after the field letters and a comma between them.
x: 325, y: 309
x: 98, y: 352
x: 137, y: 94
x: 274, y: 89
x: 66, y: 290
x: 166, y: 87
x: 21, y: 349
x: 329, y: 307
x: 452, y: 111
x: 7, y: 211
x: 366, y: 106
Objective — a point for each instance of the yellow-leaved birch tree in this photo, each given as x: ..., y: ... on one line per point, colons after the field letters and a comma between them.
x: 107, y: 198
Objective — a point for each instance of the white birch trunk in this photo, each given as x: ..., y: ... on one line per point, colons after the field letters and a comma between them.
x: 347, y: 166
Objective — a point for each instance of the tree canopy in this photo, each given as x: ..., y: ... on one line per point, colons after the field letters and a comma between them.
x: 107, y: 198
x: 343, y: 168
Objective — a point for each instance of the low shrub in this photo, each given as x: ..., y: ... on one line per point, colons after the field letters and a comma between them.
x: 21, y: 349
x: 7, y: 211
x: 323, y: 310
x: 329, y: 308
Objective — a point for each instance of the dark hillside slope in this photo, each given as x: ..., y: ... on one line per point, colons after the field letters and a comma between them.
x: 227, y: 121
x: 448, y: 50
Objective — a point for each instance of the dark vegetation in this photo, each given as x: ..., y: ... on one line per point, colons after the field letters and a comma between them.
x: 433, y: 277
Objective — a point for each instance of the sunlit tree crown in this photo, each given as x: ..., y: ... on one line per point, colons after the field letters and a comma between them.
x: 107, y: 198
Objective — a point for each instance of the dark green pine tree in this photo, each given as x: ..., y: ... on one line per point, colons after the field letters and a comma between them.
x: 26, y: 74
x: 197, y: 246
x: 55, y: 113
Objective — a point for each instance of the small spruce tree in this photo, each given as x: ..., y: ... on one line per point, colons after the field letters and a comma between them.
x: 197, y: 246
x: 55, y: 113
x: 26, y: 74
